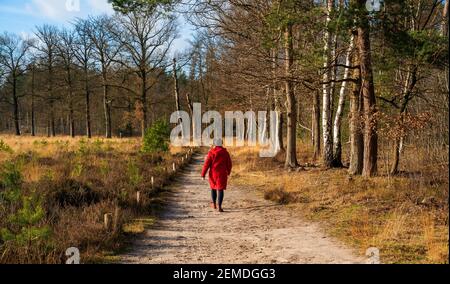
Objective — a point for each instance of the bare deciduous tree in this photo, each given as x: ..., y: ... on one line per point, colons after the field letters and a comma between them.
x: 13, y: 60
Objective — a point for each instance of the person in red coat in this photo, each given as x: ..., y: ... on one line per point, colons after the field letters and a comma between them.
x: 218, y: 162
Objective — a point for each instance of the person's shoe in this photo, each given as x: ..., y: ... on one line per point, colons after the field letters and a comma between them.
x: 221, y: 210
x: 213, y: 206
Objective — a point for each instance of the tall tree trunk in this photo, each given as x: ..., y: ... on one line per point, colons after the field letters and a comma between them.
x: 52, y: 127
x: 327, y: 95
x: 280, y: 127
x: 16, y: 107
x: 33, y: 118
x: 368, y: 93
x: 176, y: 87
x: 88, y: 104
x: 355, y: 123
x: 316, y: 124
x: 397, y: 151
x: 337, y: 139
x: 48, y: 127
x: 189, y: 103
x: 177, y: 91
x: 191, y: 112
x: 291, y: 108
x: 106, y: 108
x: 129, y: 127
x: 276, y: 101
x: 62, y: 125
x: 71, y: 111
x: 144, y: 103
x: 444, y: 23
x: 52, y: 119
x: 71, y: 115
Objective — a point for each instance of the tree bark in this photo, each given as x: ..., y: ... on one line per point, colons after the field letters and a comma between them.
x: 33, y: 118
x: 189, y: 103
x: 276, y: 101
x: 106, y: 107
x: 52, y: 128
x: 337, y: 139
x: 176, y: 87
x: 316, y: 124
x: 355, y: 123
x: 48, y: 127
x: 87, y: 98
x: 71, y: 111
x: 71, y: 115
x: 16, y: 106
x: 52, y: 119
x: 444, y: 23
x: 368, y: 93
x: 327, y: 76
x: 291, y: 108
x: 144, y: 102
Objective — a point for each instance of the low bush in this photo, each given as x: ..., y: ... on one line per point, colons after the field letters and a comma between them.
x: 156, y: 138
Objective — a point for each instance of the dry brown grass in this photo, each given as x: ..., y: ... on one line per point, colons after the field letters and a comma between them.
x: 78, y: 181
x: 406, y: 216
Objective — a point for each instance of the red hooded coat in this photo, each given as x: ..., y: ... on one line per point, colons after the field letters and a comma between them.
x: 218, y: 162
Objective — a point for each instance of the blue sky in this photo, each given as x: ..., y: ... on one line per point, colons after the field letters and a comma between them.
x: 21, y: 16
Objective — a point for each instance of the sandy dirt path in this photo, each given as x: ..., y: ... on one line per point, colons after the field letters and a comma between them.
x: 252, y: 230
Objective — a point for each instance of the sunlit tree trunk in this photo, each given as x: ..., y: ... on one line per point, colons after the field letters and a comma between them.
x: 291, y: 108
x: 327, y: 91
x: 276, y: 100
x: 316, y: 124
x: 368, y: 93
x: 444, y: 23
x: 337, y: 140
x: 355, y: 123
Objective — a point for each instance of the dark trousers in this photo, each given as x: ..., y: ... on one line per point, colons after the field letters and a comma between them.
x: 218, y: 194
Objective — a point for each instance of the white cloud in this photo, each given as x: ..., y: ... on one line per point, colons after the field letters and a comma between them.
x: 52, y: 9
x: 64, y: 10
x: 100, y: 6
x: 15, y: 10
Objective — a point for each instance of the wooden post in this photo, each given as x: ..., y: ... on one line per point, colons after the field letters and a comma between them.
x: 138, y: 197
x: 107, y: 219
x: 174, y: 167
x: 116, y: 218
x: 153, y: 182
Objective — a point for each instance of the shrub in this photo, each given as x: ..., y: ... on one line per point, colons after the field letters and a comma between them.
x: 5, y: 148
x: 156, y: 138
x: 11, y: 182
x: 22, y: 226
